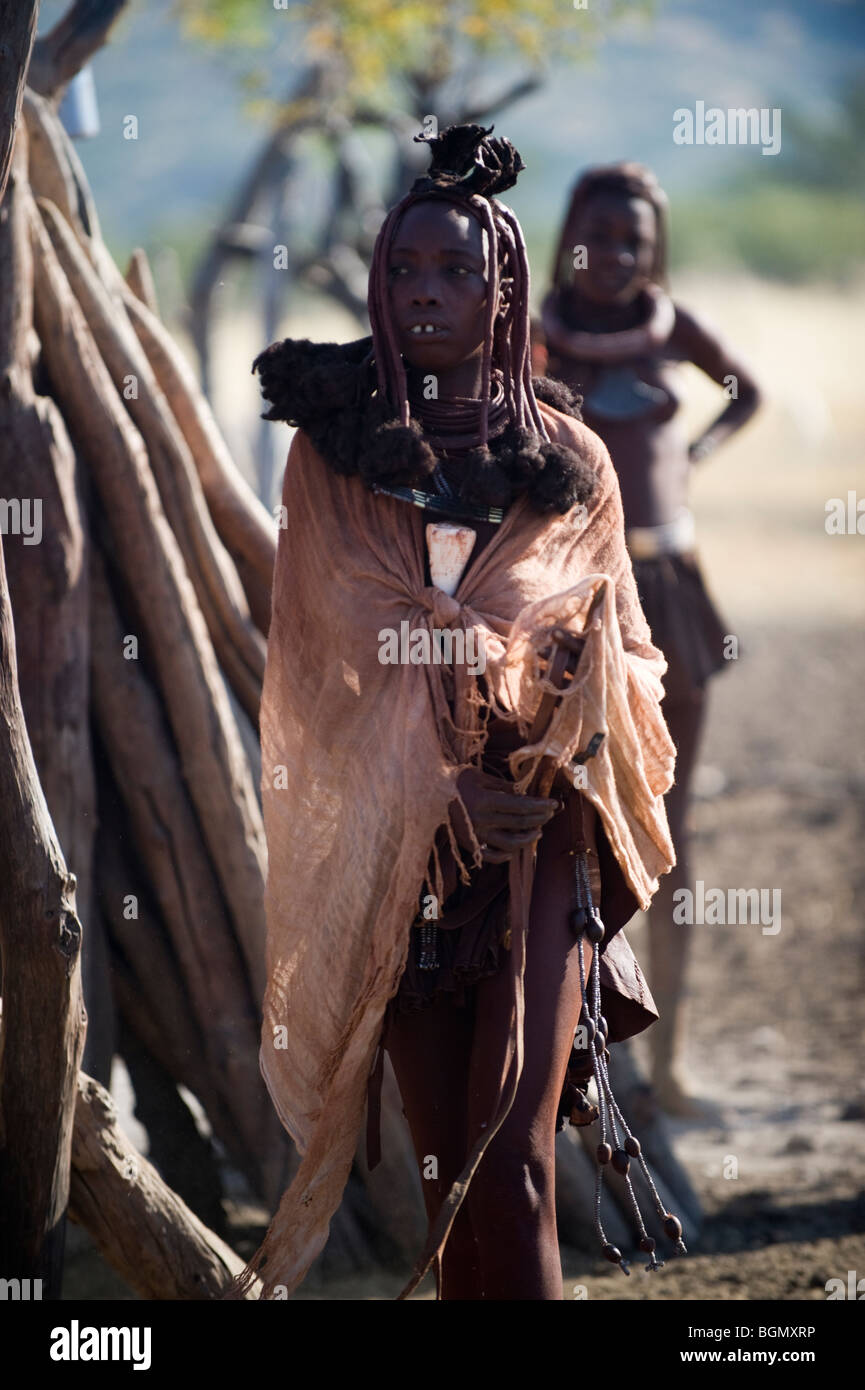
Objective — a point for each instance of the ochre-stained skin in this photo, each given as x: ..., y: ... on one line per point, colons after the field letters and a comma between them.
x: 634, y: 405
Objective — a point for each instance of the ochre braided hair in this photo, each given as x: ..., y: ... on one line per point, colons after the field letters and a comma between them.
x: 352, y: 399
x: 465, y: 171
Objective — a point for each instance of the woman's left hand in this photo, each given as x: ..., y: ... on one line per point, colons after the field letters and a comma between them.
x: 503, y: 820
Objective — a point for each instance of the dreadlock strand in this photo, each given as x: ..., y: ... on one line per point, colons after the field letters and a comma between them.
x: 485, y: 215
x: 521, y: 349
x: 390, y: 369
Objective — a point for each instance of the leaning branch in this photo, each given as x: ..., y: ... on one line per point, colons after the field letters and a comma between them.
x: 139, y: 1225
x: 71, y: 43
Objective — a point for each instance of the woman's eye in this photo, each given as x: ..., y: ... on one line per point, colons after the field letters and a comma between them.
x: 460, y: 270
x: 395, y: 270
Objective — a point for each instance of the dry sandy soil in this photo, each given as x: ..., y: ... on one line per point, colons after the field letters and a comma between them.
x: 776, y: 1020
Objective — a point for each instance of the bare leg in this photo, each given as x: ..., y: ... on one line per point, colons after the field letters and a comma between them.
x: 512, y: 1196
x: 504, y: 1242
x: 430, y: 1050
x: 669, y: 942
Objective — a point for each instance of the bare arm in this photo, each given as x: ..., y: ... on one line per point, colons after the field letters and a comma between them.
x: 708, y: 351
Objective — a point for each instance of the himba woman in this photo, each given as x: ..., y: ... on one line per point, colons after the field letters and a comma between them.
x: 610, y: 331
x: 432, y: 891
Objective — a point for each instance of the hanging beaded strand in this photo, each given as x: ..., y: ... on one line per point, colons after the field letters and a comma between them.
x: 429, y: 947
x: 586, y: 919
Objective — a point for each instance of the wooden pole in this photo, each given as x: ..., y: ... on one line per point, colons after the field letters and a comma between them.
x: 43, y: 1024
x: 77, y: 35
x: 245, y: 526
x: 142, y: 1228
x: 17, y: 32
x: 46, y: 571
x: 139, y: 278
x: 168, y: 841
x: 169, y: 618
x: 239, y: 645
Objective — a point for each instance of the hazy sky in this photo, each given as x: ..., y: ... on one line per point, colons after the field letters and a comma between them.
x: 195, y: 140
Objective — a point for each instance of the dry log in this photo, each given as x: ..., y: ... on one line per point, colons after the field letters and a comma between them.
x: 18, y: 27
x: 182, y: 1154
x: 139, y: 278
x: 43, y: 1016
x: 168, y: 843
x: 148, y: 985
x: 239, y: 646
x: 47, y: 576
x: 55, y: 169
x: 142, y: 1228
x: 245, y: 526
x: 178, y: 644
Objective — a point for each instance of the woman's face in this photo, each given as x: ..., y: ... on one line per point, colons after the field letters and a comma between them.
x: 437, y: 286
x: 620, y: 236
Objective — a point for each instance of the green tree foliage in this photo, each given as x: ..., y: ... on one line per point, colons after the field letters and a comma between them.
x: 379, y: 46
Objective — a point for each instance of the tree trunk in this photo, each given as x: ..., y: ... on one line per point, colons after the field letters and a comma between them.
x: 303, y: 107
x: 184, y: 1157
x: 55, y: 169
x: 149, y: 987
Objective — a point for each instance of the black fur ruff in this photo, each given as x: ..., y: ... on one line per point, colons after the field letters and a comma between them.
x: 329, y: 391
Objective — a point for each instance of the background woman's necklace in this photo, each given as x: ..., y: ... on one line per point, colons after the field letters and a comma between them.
x: 622, y: 346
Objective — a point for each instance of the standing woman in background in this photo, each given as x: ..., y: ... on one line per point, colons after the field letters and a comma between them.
x: 609, y: 330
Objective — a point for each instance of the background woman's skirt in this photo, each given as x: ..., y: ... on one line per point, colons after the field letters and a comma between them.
x: 685, y: 624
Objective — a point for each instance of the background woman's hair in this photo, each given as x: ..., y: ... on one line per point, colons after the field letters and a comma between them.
x: 628, y: 180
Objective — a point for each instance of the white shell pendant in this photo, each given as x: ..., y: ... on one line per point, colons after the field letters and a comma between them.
x: 449, y: 546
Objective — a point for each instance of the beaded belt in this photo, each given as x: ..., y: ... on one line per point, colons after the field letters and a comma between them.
x: 670, y: 538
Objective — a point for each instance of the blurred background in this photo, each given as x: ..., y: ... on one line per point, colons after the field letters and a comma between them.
x: 260, y: 127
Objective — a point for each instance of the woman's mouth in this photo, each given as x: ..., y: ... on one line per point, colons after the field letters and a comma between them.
x: 427, y: 330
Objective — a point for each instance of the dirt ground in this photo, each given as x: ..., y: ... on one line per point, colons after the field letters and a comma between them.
x: 775, y: 1037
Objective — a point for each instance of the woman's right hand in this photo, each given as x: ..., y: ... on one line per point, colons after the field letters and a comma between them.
x: 503, y: 820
